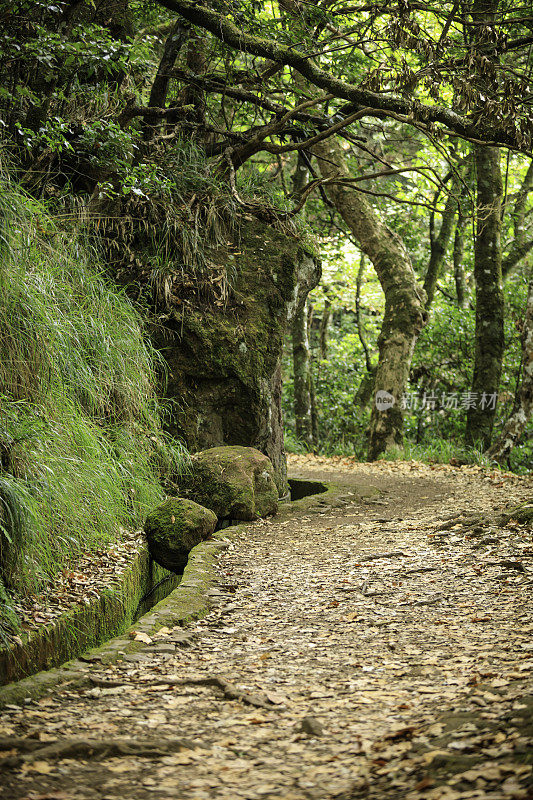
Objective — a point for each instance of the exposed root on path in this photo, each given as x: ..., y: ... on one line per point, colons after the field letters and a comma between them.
x: 229, y: 690
x: 477, y: 523
x: 98, y: 749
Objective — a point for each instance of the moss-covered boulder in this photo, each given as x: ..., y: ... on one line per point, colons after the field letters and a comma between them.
x: 224, y: 357
x: 235, y: 482
x: 174, y: 528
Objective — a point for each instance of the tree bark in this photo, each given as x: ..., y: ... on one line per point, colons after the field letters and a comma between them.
x: 439, y: 243
x: 302, y: 387
x: 366, y: 387
x: 323, y: 332
x: 458, y: 268
x: 196, y: 62
x: 158, y: 93
x: 489, y: 335
x: 405, y: 313
x: 523, y: 407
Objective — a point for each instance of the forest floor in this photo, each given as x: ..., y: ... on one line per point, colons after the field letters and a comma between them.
x: 372, y: 656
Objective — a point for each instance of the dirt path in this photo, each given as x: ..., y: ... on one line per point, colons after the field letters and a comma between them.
x: 385, y: 660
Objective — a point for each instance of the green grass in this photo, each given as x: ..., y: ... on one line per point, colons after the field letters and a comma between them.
x: 82, y: 450
x: 292, y: 443
x: 438, y: 451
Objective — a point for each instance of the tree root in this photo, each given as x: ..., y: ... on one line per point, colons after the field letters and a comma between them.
x: 375, y: 556
x: 229, y: 690
x: 88, y: 748
x: 522, y: 514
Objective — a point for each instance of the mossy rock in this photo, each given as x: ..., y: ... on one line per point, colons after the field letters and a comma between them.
x: 235, y: 482
x: 174, y: 528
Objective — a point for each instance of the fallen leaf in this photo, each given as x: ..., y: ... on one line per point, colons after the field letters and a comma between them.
x: 122, y: 765
x: 139, y: 636
x: 42, y: 767
x: 276, y: 698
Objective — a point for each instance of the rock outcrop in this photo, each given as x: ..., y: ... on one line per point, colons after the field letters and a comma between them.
x: 234, y: 482
x: 224, y: 359
x: 174, y: 528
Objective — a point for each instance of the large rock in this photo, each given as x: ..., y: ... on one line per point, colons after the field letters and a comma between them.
x: 219, y: 314
x: 235, y: 482
x: 224, y: 358
x: 174, y: 528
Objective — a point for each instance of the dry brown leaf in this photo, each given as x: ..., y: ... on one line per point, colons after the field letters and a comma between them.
x: 139, y: 636
x: 42, y: 767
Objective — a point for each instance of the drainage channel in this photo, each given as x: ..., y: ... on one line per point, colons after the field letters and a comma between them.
x: 82, y: 628
x: 302, y: 488
x: 298, y: 489
x: 157, y: 593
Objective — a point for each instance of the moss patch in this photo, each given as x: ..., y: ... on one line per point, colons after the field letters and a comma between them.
x: 83, y: 626
x: 235, y: 482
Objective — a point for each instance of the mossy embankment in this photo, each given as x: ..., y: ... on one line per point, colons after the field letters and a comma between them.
x: 85, y: 626
x: 82, y: 448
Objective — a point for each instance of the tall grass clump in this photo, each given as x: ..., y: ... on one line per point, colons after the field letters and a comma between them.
x: 82, y: 451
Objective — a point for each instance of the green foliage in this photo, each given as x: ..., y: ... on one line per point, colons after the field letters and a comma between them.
x: 81, y: 445
x: 440, y: 375
x: 438, y: 451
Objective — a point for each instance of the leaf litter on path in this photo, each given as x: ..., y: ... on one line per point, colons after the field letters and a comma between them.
x: 389, y: 661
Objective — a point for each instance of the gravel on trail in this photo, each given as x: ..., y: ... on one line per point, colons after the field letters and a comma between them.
x: 355, y: 651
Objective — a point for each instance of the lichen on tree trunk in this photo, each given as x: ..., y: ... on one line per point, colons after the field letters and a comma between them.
x: 489, y: 334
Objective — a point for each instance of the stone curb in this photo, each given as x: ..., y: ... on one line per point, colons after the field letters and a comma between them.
x: 84, y: 626
x: 189, y: 601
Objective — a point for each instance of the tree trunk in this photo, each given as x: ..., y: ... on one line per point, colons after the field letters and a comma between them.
x: 440, y: 243
x: 302, y: 388
x: 196, y: 61
x: 489, y: 336
x: 314, y: 411
x: 365, y: 389
x: 312, y: 388
x: 323, y: 332
x: 405, y: 313
x: 523, y: 406
x: 158, y: 93
x: 458, y: 268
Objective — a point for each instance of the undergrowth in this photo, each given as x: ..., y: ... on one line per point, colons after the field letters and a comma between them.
x: 82, y: 451
x: 437, y: 451
x: 162, y: 227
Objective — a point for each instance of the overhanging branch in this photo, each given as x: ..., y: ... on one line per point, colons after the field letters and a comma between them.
x: 225, y: 30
